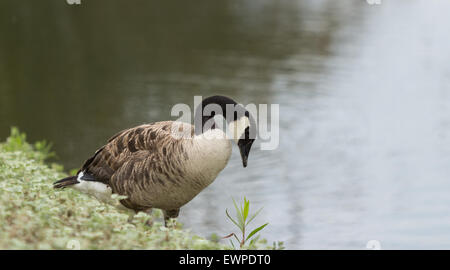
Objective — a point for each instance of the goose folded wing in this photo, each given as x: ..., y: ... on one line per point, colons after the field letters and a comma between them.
x: 136, y: 150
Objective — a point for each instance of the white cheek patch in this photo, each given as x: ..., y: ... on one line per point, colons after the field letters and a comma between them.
x: 237, y: 128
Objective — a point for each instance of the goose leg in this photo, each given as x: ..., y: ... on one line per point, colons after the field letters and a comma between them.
x: 168, y: 214
x: 150, y: 220
x: 131, y: 214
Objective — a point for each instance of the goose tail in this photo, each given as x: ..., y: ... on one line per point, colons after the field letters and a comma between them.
x: 66, y: 182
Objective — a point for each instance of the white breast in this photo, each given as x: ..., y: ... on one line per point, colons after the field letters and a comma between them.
x: 209, y: 154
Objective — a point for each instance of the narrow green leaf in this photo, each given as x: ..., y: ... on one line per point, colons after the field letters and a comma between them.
x: 254, y: 215
x: 256, y: 230
x: 239, y: 216
x: 235, y: 236
x: 246, y: 208
x: 242, y: 209
x: 232, y: 244
x: 228, y: 215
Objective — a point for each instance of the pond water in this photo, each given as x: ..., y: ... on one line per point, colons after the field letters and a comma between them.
x: 364, y: 94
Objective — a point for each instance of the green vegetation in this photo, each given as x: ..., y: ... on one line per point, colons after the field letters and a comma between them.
x: 242, y: 213
x: 35, y: 216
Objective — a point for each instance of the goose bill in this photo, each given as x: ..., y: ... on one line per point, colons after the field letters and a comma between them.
x: 244, y: 148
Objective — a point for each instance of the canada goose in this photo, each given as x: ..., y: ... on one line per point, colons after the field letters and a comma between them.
x: 155, y: 169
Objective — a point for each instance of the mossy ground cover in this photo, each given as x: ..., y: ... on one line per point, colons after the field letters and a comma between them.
x: 35, y: 216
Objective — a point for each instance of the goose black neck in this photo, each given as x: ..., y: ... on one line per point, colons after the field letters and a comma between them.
x: 218, y: 104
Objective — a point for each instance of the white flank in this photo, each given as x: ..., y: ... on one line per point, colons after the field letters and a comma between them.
x: 99, y: 190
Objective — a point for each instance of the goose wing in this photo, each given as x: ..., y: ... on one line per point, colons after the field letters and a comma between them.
x: 137, y: 159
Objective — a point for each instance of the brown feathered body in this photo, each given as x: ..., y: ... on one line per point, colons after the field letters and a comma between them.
x: 154, y: 167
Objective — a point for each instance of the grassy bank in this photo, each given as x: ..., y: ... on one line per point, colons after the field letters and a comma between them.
x: 35, y: 216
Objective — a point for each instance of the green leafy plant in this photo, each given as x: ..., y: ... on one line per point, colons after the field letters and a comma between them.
x: 17, y: 141
x: 242, y: 221
x: 45, y: 148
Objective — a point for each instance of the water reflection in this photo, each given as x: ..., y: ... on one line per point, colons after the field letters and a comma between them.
x: 362, y: 91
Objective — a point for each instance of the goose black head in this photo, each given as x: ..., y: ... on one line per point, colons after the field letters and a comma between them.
x: 241, y: 124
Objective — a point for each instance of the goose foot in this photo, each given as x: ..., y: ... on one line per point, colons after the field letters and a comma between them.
x: 168, y: 214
